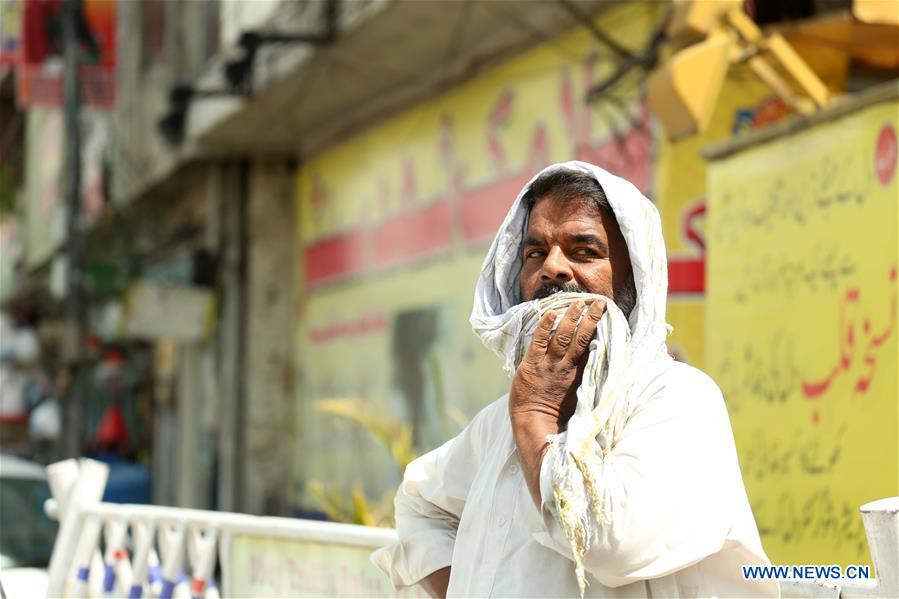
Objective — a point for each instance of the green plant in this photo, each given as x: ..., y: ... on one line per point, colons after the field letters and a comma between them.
x: 394, y: 435
x: 355, y: 510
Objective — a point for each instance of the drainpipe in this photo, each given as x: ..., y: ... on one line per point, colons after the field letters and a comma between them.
x: 233, y: 335
x: 74, y: 244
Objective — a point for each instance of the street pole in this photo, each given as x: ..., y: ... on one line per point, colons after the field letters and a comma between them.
x: 74, y: 252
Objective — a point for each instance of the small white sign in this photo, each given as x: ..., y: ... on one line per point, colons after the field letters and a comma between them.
x: 182, y: 313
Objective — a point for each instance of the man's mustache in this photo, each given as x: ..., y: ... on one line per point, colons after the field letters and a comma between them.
x: 553, y: 288
x: 625, y: 297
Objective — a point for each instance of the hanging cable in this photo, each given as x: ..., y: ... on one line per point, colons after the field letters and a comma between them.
x: 584, y: 19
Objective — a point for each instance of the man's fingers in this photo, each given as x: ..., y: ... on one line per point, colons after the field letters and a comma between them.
x: 558, y: 345
x: 541, y: 336
x: 586, y: 330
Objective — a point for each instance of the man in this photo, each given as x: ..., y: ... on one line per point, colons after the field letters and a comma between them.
x: 609, y: 470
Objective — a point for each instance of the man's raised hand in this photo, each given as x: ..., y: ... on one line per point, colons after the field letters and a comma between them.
x: 543, y: 394
x: 547, y: 378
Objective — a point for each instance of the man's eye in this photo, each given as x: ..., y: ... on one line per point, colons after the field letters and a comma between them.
x: 584, y: 252
x: 533, y: 254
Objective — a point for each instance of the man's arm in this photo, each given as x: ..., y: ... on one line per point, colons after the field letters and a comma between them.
x: 428, y: 507
x: 543, y: 393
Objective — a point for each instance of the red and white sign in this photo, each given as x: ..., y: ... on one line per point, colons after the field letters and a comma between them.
x: 40, y: 59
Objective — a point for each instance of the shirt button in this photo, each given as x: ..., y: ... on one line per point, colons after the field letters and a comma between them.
x: 513, y: 469
x: 501, y: 521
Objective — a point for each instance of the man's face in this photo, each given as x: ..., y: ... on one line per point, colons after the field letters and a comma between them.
x: 575, y: 246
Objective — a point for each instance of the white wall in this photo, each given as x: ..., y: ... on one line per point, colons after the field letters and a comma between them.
x: 239, y: 15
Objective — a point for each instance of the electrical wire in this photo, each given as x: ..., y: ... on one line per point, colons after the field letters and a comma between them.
x: 584, y: 19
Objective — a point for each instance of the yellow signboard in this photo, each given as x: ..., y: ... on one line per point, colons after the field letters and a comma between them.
x: 802, y: 331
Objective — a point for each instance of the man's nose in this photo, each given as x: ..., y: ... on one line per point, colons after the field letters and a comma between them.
x: 556, y: 267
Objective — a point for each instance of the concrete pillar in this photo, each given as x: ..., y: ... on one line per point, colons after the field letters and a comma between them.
x: 270, y: 337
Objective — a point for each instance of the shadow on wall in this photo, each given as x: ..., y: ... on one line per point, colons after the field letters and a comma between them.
x: 417, y: 381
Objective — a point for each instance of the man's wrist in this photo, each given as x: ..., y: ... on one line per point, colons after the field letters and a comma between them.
x: 530, y: 430
x: 535, y: 422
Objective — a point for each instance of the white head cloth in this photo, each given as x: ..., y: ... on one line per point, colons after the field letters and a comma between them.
x: 621, y: 352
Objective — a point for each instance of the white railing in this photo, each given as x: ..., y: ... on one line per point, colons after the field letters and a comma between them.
x: 173, y: 552
x: 881, y: 520
x: 284, y: 557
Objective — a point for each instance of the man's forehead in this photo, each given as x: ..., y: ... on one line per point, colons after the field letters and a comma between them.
x: 571, y: 217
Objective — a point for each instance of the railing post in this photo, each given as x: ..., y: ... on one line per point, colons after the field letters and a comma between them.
x: 144, y: 532
x: 117, y: 568
x: 74, y: 486
x: 172, y: 545
x: 201, y: 552
x: 881, y: 519
x: 84, y: 554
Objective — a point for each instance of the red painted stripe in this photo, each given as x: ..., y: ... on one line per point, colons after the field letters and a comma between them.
x: 335, y: 258
x: 686, y: 275
x: 483, y: 209
x: 368, y: 323
x: 690, y: 230
x: 414, y: 236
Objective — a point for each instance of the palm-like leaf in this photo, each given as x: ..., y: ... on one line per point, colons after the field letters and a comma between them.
x: 393, y: 434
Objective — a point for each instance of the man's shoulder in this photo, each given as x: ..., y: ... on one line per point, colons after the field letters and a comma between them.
x: 682, y: 375
x: 686, y: 386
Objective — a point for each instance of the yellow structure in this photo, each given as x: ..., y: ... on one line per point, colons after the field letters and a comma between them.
x: 801, y: 319
x: 684, y: 90
x: 679, y: 180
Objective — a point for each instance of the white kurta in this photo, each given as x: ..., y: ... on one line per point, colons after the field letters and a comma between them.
x: 681, y: 524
